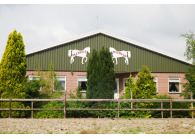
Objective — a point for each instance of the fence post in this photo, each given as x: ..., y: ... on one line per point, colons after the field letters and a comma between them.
x: 162, y: 110
x: 98, y: 108
x: 131, y: 101
x: 118, y: 108
x: 192, y: 107
x: 31, y: 109
x: 10, y: 101
x: 171, y: 108
x: 65, y: 105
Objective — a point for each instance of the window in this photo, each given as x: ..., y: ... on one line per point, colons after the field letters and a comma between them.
x: 116, y: 91
x: 174, y: 85
x: 33, y: 77
x: 82, y: 82
x: 62, y: 83
x: 156, y: 82
x: 124, y: 84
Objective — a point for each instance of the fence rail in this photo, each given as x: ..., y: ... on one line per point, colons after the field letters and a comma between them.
x: 32, y: 109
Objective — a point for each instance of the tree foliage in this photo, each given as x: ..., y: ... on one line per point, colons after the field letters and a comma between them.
x: 13, y: 67
x: 190, y: 45
x: 92, y: 75
x: 100, y: 74
x: 189, y: 86
x: 51, y: 89
x: 12, y: 73
x: 48, y: 82
x: 129, y: 88
x: 32, y: 89
x: 145, y: 87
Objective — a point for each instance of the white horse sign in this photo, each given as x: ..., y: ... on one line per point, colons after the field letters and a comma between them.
x: 116, y: 54
x: 79, y: 53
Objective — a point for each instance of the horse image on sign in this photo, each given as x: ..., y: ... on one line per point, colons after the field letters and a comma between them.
x: 116, y: 54
x: 79, y: 53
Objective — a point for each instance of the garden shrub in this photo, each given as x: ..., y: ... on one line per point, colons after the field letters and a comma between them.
x: 51, y: 113
x: 166, y: 105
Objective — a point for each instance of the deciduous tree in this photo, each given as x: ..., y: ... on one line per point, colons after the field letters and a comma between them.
x: 129, y: 88
x: 190, y: 75
x: 190, y: 45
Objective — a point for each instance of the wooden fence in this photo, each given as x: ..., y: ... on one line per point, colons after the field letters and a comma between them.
x: 99, y: 109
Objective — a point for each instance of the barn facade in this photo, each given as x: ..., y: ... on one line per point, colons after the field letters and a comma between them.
x: 71, y: 57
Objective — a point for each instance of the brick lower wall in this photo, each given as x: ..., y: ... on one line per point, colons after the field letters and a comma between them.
x: 72, y: 81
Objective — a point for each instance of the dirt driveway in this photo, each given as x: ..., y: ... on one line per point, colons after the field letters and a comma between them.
x: 105, y: 126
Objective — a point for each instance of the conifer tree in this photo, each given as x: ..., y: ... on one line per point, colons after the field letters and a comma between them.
x: 107, y: 74
x: 145, y: 87
x: 100, y: 74
x: 13, y: 67
x: 12, y: 71
x: 92, y: 75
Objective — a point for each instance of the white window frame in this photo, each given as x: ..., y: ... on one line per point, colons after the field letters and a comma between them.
x: 31, y: 77
x: 124, y: 81
x: 61, y: 76
x: 81, y: 78
x: 156, y: 81
x: 177, y: 79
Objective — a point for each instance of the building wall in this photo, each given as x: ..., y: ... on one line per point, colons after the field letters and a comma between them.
x: 163, y: 82
x: 163, y: 85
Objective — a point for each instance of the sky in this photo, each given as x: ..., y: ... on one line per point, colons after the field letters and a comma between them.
x: 156, y: 25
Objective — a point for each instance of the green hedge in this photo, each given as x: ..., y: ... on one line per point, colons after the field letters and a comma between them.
x: 175, y: 105
x: 105, y: 114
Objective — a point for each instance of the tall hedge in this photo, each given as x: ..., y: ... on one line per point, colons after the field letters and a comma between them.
x: 100, y: 74
x: 12, y: 71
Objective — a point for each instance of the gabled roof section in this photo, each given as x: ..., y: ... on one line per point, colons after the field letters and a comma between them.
x: 116, y: 37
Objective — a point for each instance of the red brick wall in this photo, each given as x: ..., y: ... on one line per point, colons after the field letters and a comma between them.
x: 163, y: 84
x: 71, y: 81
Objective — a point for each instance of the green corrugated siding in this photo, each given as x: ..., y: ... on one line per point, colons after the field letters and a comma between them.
x: 139, y: 56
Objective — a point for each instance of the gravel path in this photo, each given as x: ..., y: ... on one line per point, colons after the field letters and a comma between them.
x: 105, y: 126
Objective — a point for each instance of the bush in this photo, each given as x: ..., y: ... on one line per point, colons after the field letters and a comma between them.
x: 14, y: 114
x: 51, y: 113
x: 32, y: 89
x: 166, y: 105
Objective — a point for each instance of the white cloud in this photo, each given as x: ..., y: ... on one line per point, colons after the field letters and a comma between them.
x: 42, y: 25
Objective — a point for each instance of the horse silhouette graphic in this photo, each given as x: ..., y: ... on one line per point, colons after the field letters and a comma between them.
x: 79, y: 53
x: 116, y: 54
